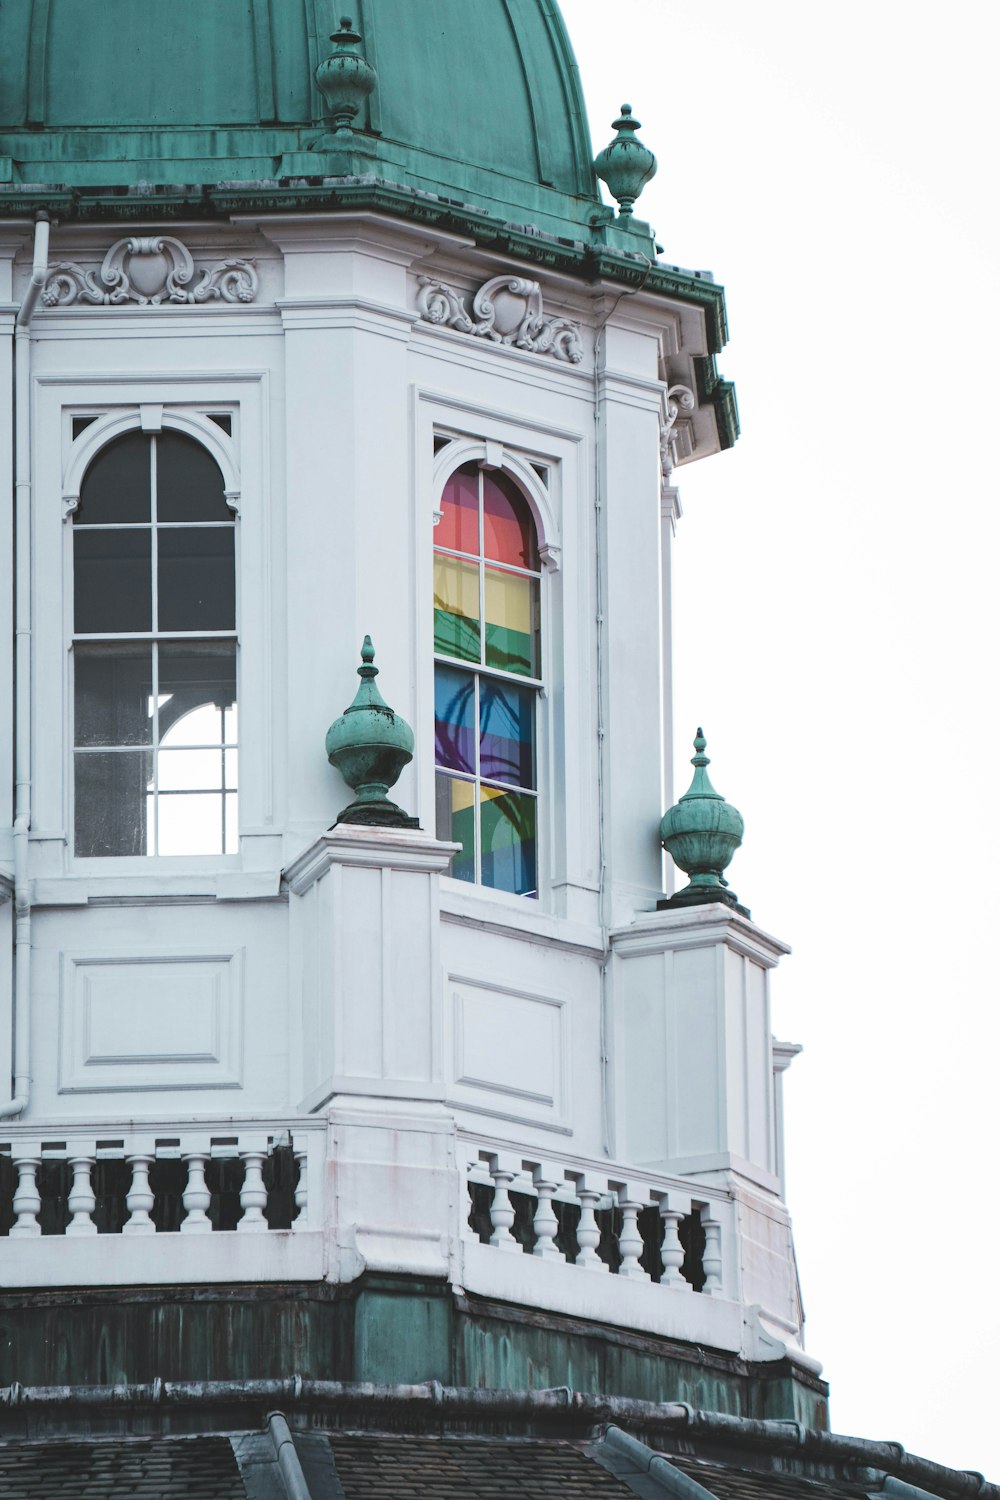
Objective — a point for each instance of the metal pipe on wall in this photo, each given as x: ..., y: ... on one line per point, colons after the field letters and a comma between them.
x: 22, y: 668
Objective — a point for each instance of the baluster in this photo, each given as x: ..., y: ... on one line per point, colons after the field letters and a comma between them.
x: 196, y: 1198
x: 545, y: 1223
x: 712, y: 1259
x: 253, y: 1193
x: 630, y: 1241
x: 587, y: 1232
x: 139, y: 1198
x: 81, y: 1201
x: 301, y: 1220
x: 501, y: 1208
x: 671, y: 1250
x: 27, y: 1202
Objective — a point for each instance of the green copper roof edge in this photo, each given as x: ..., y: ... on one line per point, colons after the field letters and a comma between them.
x: 577, y: 257
x: 714, y: 391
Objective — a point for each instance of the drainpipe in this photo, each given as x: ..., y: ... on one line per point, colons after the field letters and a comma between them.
x: 292, y: 1477
x: 22, y: 666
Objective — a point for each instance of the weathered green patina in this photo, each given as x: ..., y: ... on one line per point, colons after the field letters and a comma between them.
x: 626, y: 165
x: 482, y: 101
x: 370, y: 744
x: 701, y: 833
x: 475, y: 123
x: 345, y: 78
x: 382, y: 1329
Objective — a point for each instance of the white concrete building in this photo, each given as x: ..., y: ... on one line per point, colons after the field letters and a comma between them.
x: 393, y: 372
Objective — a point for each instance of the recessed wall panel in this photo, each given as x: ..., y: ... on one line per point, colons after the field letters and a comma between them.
x: 150, y: 1021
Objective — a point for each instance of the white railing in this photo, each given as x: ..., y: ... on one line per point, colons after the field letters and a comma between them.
x: 142, y: 1189
x: 645, y: 1230
x: 148, y: 1207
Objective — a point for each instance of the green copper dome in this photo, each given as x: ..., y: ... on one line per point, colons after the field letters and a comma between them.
x: 475, y: 99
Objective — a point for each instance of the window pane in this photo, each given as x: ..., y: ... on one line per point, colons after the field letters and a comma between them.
x: 189, y: 485
x: 455, y: 719
x: 112, y: 802
x: 197, y: 578
x: 111, y: 582
x: 189, y: 770
x: 458, y: 528
x: 198, y: 693
x: 456, y: 806
x: 232, y: 824
x: 507, y: 830
x: 511, y: 616
x: 190, y: 823
x: 113, y: 695
x: 456, y: 608
x: 116, y: 486
x: 508, y: 528
x: 507, y: 725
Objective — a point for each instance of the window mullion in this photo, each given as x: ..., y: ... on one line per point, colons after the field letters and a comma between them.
x: 477, y: 790
x: 478, y: 820
x: 156, y: 748
x: 154, y: 595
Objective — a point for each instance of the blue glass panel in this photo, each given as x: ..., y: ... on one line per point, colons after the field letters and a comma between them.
x: 455, y: 719
x: 507, y: 727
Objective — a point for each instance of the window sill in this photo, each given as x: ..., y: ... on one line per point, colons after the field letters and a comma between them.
x: 514, y: 916
x: 127, y: 886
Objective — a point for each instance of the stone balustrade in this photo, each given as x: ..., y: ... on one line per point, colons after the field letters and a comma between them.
x: 246, y: 1200
x: 150, y: 1186
x: 651, y: 1230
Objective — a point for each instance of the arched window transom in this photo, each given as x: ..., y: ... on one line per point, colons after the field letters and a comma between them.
x: 154, y: 648
x: 487, y: 676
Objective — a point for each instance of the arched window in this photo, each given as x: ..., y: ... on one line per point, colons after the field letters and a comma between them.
x: 154, y: 652
x: 487, y: 675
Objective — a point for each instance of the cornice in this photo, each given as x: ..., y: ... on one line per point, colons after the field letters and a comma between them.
x: 697, y: 927
x: 370, y: 848
x: 291, y: 197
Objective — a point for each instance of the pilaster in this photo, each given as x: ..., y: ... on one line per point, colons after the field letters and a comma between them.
x: 694, y: 1036
x: 629, y: 539
x: 365, y: 984
x: 348, y: 437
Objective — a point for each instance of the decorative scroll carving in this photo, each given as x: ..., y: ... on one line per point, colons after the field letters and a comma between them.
x: 678, y: 398
x: 150, y: 270
x: 505, y: 310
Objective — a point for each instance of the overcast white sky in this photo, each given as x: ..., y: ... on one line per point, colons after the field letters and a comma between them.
x: 836, y: 629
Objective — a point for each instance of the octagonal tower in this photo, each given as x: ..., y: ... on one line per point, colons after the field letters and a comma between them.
x: 314, y: 339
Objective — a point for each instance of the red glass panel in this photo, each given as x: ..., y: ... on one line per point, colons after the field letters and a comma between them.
x: 458, y: 528
x: 509, y: 531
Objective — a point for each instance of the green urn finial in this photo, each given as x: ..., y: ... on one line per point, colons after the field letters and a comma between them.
x: 345, y: 79
x: 626, y: 165
x: 370, y: 744
x: 701, y: 833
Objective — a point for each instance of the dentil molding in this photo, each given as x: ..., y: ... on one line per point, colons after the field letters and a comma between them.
x: 506, y: 310
x: 150, y: 270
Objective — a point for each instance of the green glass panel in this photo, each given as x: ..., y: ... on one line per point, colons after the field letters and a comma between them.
x: 456, y: 608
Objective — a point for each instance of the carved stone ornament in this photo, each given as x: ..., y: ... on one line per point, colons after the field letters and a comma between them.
x: 678, y: 398
x: 150, y: 270
x: 505, y: 310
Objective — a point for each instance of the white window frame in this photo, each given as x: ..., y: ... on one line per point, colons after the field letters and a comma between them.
x: 480, y: 670
x: 567, y: 845
x: 171, y: 403
x: 151, y: 425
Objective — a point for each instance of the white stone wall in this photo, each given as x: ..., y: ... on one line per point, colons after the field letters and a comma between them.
x: 307, y: 974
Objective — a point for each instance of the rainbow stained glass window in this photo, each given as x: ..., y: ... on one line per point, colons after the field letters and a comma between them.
x: 487, y: 675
